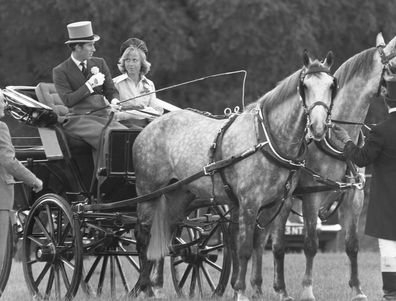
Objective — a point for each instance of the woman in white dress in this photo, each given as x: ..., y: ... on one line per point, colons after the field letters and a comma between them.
x: 137, y: 112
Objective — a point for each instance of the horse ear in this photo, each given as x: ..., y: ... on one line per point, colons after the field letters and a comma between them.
x: 329, y: 60
x: 306, y: 59
x: 379, y: 41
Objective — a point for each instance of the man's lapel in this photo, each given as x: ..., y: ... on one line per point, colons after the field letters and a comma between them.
x: 75, y: 72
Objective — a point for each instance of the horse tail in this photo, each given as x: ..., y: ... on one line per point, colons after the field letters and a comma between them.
x: 160, y: 232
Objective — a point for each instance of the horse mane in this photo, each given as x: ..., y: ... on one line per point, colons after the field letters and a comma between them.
x: 360, y: 63
x: 283, y: 90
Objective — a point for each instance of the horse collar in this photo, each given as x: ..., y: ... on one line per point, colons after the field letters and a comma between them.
x: 270, y: 149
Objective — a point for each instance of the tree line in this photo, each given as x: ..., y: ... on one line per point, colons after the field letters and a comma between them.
x: 189, y: 39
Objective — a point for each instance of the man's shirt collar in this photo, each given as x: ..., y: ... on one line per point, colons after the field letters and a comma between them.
x: 77, y: 62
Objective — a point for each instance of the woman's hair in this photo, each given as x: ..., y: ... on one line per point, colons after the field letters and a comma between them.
x: 146, y: 65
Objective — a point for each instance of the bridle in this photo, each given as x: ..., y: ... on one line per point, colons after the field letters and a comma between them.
x: 385, y: 59
x: 301, y: 92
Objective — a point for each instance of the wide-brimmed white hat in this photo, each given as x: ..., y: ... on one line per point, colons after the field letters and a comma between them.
x: 81, y: 32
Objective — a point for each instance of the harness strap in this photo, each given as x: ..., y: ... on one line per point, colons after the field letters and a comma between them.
x: 286, y: 190
x: 206, y: 171
x: 271, y: 151
x: 216, y: 154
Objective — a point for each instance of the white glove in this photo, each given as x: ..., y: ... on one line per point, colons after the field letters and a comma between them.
x: 38, y: 186
x: 115, y: 101
x: 96, y: 80
x: 114, y: 105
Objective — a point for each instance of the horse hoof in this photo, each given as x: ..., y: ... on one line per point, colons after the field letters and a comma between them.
x: 257, y: 294
x: 307, y: 294
x: 159, y: 293
x: 360, y: 297
x: 239, y: 296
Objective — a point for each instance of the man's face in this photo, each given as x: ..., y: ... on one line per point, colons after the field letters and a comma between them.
x: 85, y: 51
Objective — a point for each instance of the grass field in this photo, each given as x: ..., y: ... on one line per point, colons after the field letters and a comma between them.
x: 330, y: 278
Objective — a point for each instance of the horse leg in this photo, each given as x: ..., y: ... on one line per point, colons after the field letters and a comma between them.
x: 233, y: 229
x: 256, y: 278
x: 278, y: 250
x: 157, y: 279
x: 247, y: 224
x: 176, y: 203
x: 311, y: 244
x: 350, y: 211
x: 142, y: 234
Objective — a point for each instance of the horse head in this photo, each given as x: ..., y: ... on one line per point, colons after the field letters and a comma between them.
x: 317, y: 90
x: 387, y: 52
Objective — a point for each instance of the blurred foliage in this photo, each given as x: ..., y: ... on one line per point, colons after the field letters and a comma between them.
x: 188, y: 39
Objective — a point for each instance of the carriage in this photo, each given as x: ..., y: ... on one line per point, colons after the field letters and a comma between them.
x: 78, y: 232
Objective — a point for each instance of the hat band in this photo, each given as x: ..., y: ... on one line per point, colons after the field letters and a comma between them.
x: 82, y: 38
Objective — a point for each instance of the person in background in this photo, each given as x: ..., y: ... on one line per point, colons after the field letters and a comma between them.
x: 85, y: 85
x: 380, y: 150
x: 10, y: 168
x: 132, y: 82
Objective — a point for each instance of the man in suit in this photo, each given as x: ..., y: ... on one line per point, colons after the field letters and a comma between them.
x: 85, y: 85
x: 10, y: 167
x: 380, y: 150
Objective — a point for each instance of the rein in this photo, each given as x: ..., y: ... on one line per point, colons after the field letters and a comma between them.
x: 367, y: 126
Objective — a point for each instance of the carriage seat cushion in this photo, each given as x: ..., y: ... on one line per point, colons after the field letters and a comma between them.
x: 46, y: 94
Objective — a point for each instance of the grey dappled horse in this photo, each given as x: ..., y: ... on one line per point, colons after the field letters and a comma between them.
x: 359, y: 79
x: 176, y: 146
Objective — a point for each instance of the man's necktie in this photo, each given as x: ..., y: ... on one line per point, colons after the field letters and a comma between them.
x: 83, y: 69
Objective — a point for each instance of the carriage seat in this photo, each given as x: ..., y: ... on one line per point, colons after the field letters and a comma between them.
x: 47, y: 94
x: 79, y: 150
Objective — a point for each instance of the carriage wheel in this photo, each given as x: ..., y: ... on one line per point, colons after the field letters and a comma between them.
x: 201, y: 269
x: 5, y: 269
x: 52, y: 260
x: 113, y: 267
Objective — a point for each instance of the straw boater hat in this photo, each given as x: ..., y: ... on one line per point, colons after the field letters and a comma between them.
x: 81, y: 32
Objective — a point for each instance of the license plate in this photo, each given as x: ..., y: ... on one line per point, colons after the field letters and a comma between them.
x: 294, y: 230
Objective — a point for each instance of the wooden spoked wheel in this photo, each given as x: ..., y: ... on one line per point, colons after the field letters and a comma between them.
x: 201, y: 261
x: 52, y: 260
x: 111, y: 262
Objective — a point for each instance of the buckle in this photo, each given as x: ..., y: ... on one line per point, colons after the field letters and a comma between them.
x: 210, y: 172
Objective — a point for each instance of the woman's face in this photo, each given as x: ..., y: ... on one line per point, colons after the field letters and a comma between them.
x: 133, y: 63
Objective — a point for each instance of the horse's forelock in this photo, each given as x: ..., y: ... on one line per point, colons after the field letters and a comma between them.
x: 360, y: 63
